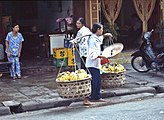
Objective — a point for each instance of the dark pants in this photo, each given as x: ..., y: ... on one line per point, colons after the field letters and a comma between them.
x: 95, y: 83
x: 83, y: 61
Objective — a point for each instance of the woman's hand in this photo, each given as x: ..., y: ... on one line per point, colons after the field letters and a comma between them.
x: 74, y: 41
x: 8, y: 54
x: 19, y: 54
x: 103, y: 57
x: 160, y: 55
x: 108, y: 34
x: 107, y: 58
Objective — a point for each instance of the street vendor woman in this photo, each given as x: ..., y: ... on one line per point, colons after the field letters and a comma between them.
x: 83, y: 31
x: 93, y: 60
x: 82, y: 43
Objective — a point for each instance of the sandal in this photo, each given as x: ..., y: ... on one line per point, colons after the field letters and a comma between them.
x: 14, y: 77
x: 88, y: 103
x: 99, y: 100
x: 19, y: 77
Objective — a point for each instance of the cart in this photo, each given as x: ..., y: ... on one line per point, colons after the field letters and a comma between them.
x: 4, y: 66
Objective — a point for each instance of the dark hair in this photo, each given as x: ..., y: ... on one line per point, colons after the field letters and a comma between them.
x: 96, y: 26
x: 14, y: 24
x: 81, y: 19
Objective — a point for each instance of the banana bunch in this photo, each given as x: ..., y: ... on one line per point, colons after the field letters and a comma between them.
x: 81, y: 74
x: 72, y: 76
x: 112, y: 68
x: 64, y: 76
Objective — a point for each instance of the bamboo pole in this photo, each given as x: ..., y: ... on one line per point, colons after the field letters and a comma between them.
x: 162, y: 8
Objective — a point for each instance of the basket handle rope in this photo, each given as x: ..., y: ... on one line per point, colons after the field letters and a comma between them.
x: 82, y: 58
x: 75, y: 45
x: 111, y: 41
x: 61, y: 66
x: 74, y: 60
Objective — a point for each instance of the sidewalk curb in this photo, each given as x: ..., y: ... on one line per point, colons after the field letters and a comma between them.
x: 161, y: 89
x: 31, y: 106
x: 117, y: 100
x: 4, y: 110
x: 126, y: 91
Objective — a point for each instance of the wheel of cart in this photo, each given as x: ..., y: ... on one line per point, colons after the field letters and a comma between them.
x: 4, y: 68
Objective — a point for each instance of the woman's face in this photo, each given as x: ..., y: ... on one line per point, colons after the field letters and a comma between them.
x: 16, y: 28
x: 79, y: 24
x: 99, y: 31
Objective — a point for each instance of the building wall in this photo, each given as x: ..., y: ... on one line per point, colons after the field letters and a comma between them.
x: 49, y: 11
x: 42, y: 14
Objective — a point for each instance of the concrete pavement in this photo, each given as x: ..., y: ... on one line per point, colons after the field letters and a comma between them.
x: 37, y: 89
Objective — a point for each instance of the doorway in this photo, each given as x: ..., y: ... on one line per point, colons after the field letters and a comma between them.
x: 129, y: 25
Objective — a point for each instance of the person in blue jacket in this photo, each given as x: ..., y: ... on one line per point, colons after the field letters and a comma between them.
x: 13, y: 43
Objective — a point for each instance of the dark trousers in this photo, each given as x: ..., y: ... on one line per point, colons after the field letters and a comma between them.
x: 95, y: 83
x: 83, y: 61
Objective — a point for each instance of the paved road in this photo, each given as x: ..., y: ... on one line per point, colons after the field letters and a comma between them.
x: 150, y: 109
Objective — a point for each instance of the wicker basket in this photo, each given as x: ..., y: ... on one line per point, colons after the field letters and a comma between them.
x: 111, y: 80
x: 74, y: 89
